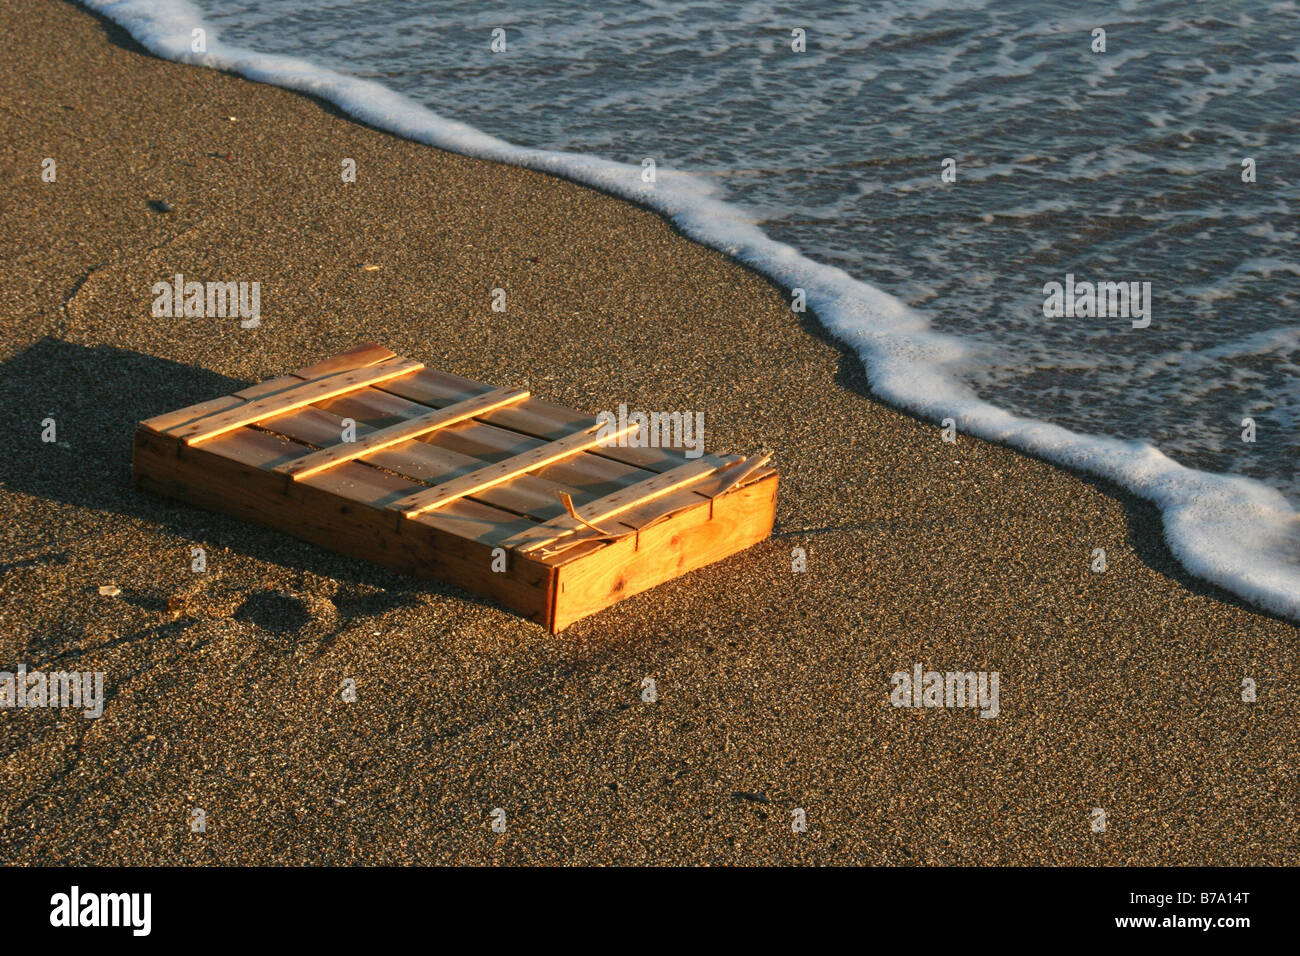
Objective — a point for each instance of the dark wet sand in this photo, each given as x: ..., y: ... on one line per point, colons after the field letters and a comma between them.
x: 1118, y: 690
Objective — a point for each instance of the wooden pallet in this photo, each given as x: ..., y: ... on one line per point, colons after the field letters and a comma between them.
x: 453, y: 479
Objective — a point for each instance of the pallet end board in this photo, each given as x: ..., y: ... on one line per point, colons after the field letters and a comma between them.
x: 492, y: 490
x: 701, y: 535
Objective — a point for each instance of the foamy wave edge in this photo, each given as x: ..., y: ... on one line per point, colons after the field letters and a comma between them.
x: 1233, y: 531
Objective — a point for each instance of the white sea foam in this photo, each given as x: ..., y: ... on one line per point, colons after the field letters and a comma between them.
x: 1233, y: 531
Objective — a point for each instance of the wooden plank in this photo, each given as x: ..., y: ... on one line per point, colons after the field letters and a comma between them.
x: 585, y: 477
x: 503, y: 471
x: 698, y: 536
x: 191, y: 413
x: 459, y: 449
x: 588, y: 473
x: 297, y: 396
x: 429, y: 464
x: 540, y: 419
x: 402, y: 431
x: 643, y: 517
x: 642, y: 493
x: 358, y: 356
x: 588, y: 476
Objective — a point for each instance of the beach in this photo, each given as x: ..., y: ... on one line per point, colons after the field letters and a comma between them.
x: 1120, y: 691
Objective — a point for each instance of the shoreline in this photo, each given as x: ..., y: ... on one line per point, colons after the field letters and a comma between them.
x: 1234, y: 532
x: 1119, y: 690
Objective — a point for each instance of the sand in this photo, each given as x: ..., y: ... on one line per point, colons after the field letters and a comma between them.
x: 1119, y: 690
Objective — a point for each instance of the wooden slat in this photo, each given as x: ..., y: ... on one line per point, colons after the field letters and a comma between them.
x: 599, y: 472
x: 540, y: 419
x: 403, y: 431
x: 291, y: 398
x: 359, y: 356
x: 503, y: 471
x: 430, y: 465
x: 470, y: 445
x: 633, y: 496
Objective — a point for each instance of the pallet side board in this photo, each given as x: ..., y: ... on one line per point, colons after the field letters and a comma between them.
x: 202, y: 476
